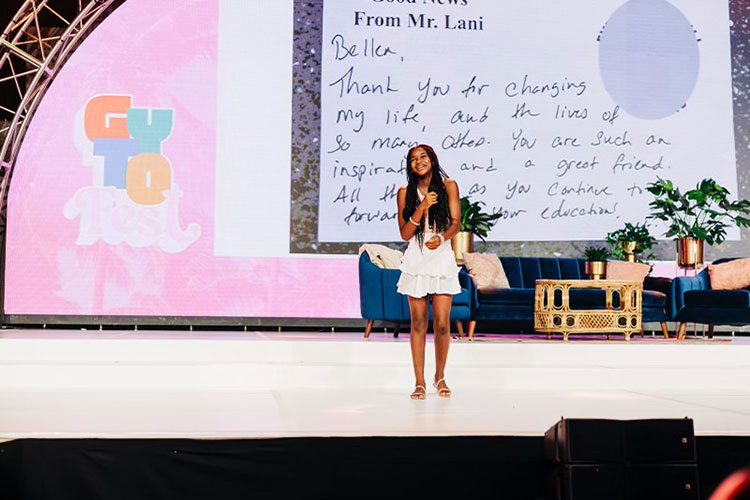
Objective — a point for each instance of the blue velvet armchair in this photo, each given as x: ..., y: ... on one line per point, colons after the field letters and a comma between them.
x: 693, y: 300
x: 379, y: 300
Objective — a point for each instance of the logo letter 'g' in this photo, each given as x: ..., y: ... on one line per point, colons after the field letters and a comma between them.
x: 148, y: 176
x: 106, y: 117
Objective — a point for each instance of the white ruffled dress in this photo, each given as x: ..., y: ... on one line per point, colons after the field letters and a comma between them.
x: 425, y: 271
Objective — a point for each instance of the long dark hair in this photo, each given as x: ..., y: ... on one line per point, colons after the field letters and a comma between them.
x: 439, y: 214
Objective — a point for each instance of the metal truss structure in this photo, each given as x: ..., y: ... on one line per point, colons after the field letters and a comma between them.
x: 31, y: 56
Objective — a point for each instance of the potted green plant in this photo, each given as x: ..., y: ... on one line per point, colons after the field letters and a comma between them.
x: 696, y: 216
x: 630, y: 241
x: 473, y: 222
x: 596, y: 261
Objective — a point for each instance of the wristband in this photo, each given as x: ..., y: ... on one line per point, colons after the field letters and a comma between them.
x: 412, y: 221
x: 442, y: 238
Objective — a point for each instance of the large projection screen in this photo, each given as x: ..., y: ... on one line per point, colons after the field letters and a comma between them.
x: 226, y: 158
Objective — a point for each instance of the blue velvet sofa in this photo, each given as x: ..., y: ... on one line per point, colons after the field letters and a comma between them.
x: 693, y: 300
x: 515, y: 305
x: 379, y: 300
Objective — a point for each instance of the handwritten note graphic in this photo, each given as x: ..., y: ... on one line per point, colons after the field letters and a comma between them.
x: 543, y: 110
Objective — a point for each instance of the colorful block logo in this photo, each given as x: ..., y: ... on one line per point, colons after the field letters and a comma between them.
x: 133, y: 197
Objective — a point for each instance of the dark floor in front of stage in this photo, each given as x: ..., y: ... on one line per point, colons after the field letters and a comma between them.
x: 473, y: 467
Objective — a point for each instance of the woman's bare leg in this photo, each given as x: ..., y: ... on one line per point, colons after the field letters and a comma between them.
x: 441, y: 324
x: 418, y: 309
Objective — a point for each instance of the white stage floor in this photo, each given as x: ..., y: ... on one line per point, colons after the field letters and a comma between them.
x: 221, y: 385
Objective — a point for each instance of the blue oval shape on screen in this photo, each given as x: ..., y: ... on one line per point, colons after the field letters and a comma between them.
x: 648, y: 58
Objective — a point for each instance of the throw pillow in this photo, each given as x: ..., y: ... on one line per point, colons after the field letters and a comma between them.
x: 382, y: 256
x: 732, y: 275
x: 627, y: 271
x: 486, y: 270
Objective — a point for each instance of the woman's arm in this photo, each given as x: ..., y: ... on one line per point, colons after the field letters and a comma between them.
x: 405, y: 226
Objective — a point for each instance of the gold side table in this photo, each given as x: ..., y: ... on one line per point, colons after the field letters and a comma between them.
x: 552, y: 312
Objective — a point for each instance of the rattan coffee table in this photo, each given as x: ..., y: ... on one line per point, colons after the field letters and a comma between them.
x: 552, y: 312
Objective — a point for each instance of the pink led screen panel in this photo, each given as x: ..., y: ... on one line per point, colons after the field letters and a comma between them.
x: 112, y: 201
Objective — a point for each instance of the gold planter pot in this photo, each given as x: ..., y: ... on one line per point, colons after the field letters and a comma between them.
x: 462, y: 243
x: 689, y: 253
x: 596, y: 270
x: 630, y: 248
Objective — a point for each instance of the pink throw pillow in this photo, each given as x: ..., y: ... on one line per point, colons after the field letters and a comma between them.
x: 486, y: 270
x: 627, y: 271
x: 732, y: 275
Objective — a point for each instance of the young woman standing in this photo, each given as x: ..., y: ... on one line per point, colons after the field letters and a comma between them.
x: 429, y: 214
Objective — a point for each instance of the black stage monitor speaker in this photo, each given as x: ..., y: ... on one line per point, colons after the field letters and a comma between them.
x: 590, y: 482
x: 622, y: 460
x: 625, y: 482
x: 659, y: 441
x: 662, y: 481
x: 584, y: 441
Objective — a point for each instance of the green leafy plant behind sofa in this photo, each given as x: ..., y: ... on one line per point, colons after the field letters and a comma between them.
x: 637, y: 234
x: 474, y: 220
x: 703, y: 213
x: 596, y: 254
